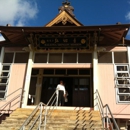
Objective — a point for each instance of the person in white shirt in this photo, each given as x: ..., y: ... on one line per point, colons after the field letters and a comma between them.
x: 61, y: 93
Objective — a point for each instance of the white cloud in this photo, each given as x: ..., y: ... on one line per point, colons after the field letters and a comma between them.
x: 1, y: 38
x: 128, y: 16
x: 17, y: 12
x: 128, y: 35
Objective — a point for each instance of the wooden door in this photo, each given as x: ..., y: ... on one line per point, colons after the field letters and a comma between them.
x: 81, y: 92
x: 49, y: 85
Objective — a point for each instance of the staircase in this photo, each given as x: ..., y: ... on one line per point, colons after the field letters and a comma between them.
x: 74, y: 120
x: 62, y: 118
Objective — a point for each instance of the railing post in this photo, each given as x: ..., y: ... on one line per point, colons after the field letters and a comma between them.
x: 9, y: 107
x: 45, y: 117
x: 57, y: 95
x: 106, y: 117
x: 41, y: 109
x: 21, y: 97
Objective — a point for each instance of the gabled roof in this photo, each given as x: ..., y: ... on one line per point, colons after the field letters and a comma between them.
x: 64, y: 19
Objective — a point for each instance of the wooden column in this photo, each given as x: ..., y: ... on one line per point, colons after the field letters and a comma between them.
x: 39, y: 87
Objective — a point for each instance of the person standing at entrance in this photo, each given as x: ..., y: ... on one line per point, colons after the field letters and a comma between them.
x: 61, y: 93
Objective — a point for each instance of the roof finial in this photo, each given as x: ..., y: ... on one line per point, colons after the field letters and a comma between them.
x: 66, y: 6
x: 66, y: 2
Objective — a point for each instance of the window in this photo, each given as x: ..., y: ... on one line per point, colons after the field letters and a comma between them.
x: 21, y: 57
x: 84, y: 71
x: 84, y: 57
x: 55, y: 58
x: 48, y: 71
x: 63, y: 72
x: 63, y: 58
x: 40, y: 58
x: 35, y: 72
x: 72, y: 71
x: 81, y: 83
x: 4, y: 78
x: 105, y: 57
x: 124, y: 94
x: 122, y: 82
x: 70, y: 58
x: 60, y: 71
x: 49, y: 83
x: 8, y: 57
x: 120, y: 57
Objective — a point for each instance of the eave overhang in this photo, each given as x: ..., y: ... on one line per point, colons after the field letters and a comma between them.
x: 107, y: 35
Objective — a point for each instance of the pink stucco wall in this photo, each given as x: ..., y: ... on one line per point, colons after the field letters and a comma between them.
x: 106, y: 88
x: 16, y: 81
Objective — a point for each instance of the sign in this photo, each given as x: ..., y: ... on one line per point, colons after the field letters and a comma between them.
x: 62, y: 42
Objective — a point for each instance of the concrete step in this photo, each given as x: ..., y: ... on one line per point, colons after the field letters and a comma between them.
x: 8, y: 128
x: 53, y: 128
x: 97, y: 118
x: 60, y: 119
x: 68, y: 122
x: 72, y: 114
x: 67, y: 128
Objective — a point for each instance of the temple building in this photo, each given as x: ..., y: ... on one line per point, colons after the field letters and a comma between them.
x: 88, y: 59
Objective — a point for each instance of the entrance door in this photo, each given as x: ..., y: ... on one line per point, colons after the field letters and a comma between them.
x: 78, y: 84
x: 78, y: 89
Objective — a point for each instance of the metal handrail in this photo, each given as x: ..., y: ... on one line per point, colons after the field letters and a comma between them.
x: 41, y: 107
x: 9, y: 103
x: 107, y: 114
x: 48, y: 107
x: 10, y: 94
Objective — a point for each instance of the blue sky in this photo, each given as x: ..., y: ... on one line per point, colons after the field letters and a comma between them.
x: 88, y: 12
x: 40, y: 12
